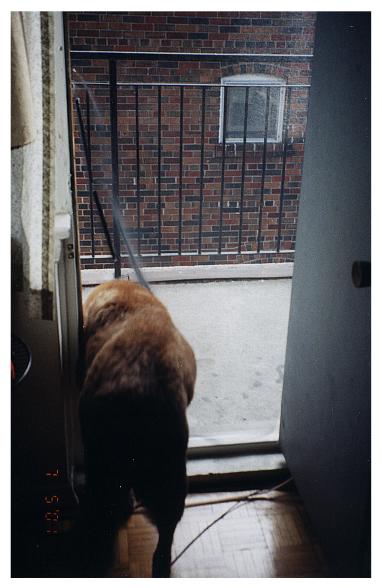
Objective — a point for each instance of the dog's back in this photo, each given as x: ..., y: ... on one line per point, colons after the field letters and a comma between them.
x: 139, y: 380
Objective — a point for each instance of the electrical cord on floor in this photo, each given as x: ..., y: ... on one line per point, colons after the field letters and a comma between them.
x: 238, y: 503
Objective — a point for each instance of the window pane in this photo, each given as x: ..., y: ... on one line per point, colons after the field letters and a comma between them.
x: 235, y: 112
x: 256, y: 112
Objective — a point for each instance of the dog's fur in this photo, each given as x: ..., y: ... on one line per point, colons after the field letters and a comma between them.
x: 140, y: 376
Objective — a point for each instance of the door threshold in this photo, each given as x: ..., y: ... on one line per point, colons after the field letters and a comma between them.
x: 238, y: 443
x: 256, y: 470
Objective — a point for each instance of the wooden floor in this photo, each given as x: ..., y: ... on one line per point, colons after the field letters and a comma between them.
x: 268, y: 537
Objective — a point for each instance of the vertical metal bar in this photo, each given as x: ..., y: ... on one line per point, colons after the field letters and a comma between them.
x: 243, y: 168
x: 180, y: 169
x: 159, y: 172
x: 103, y: 223
x: 114, y: 161
x: 90, y: 172
x: 202, y: 168
x: 285, y: 152
x: 88, y: 165
x: 138, y: 176
x: 261, y: 204
x: 223, y: 166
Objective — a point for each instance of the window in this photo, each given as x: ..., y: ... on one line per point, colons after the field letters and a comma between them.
x: 257, y: 98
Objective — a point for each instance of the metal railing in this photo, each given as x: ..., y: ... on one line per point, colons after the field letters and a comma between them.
x: 204, y: 90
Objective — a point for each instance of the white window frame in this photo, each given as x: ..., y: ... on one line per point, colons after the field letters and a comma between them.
x: 253, y: 80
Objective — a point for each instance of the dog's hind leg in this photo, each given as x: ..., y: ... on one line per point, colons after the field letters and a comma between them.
x: 165, y: 505
x: 162, y: 555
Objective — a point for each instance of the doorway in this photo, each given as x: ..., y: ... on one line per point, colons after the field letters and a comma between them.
x: 206, y: 175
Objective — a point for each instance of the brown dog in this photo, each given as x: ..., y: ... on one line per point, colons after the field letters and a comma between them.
x: 140, y: 376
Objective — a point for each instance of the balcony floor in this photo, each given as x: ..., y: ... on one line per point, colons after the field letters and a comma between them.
x: 238, y: 331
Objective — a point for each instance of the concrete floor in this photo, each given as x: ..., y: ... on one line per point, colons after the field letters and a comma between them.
x: 238, y: 331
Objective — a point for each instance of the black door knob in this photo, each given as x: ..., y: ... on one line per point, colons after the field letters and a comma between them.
x: 361, y: 274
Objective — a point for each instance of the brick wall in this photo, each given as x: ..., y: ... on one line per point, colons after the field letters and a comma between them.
x: 189, y: 32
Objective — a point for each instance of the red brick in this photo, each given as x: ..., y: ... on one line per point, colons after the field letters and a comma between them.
x: 152, y: 31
